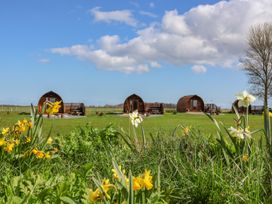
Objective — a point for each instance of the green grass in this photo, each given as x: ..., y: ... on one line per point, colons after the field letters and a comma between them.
x: 166, y: 123
x: 185, y: 168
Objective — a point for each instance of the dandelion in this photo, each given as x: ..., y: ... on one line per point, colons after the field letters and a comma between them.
x: 135, y: 118
x: 5, y: 131
x: 245, y: 99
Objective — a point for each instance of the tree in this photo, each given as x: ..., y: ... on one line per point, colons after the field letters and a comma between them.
x: 258, y: 66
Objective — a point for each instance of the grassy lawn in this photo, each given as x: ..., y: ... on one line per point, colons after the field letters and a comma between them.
x: 152, y: 124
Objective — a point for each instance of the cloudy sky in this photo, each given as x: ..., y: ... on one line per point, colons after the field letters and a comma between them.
x: 100, y: 51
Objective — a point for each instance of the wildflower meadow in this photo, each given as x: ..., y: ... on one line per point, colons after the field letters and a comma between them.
x: 113, y: 165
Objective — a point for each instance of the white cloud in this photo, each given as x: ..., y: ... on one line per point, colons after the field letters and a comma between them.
x: 213, y: 35
x: 103, y: 60
x: 151, y: 5
x: 199, y: 69
x: 175, y: 24
x: 122, y: 16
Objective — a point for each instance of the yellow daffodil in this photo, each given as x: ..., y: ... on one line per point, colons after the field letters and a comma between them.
x: 94, y: 195
x: 5, y: 131
x: 30, y: 124
x: 34, y: 151
x: 28, y: 139
x: 9, y: 147
x: 25, y: 121
x: 2, y: 142
x: 106, y: 185
x: 137, y: 183
x: 147, y: 180
x: 47, y: 155
x: 97, y: 194
x: 17, y: 141
x: 115, y: 174
x: 245, y: 99
x: 49, y: 140
x: 53, y: 107
x: 40, y: 154
x: 21, y: 126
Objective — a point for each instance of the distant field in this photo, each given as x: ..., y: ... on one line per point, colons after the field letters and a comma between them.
x: 152, y: 124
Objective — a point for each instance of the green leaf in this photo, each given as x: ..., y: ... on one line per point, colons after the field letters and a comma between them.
x: 66, y: 199
x: 130, y: 194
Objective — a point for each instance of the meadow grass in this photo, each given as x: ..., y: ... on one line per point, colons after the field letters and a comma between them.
x: 163, y: 123
x: 185, y: 167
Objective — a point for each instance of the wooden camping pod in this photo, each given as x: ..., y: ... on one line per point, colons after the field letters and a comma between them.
x: 52, y: 97
x: 154, y: 108
x: 74, y: 108
x: 132, y: 103
x: 211, y: 108
x: 192, y: 103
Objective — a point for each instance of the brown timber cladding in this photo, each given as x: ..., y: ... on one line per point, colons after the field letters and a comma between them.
x: 191, y: 103
x: 52, y: 97
x: 74, y: 108
x: 134, y: 102
x: 154, y: 108
x: 69, y: 108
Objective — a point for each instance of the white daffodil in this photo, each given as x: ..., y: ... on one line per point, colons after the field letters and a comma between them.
x: 245, y: 99
x: 240, y: 133
x: 135, y: 118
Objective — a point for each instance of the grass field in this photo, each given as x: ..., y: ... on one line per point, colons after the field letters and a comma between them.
x: 186, y: 167
x: 152, y: 124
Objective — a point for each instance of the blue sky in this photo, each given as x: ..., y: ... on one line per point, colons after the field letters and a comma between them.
x: 99, y: 52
